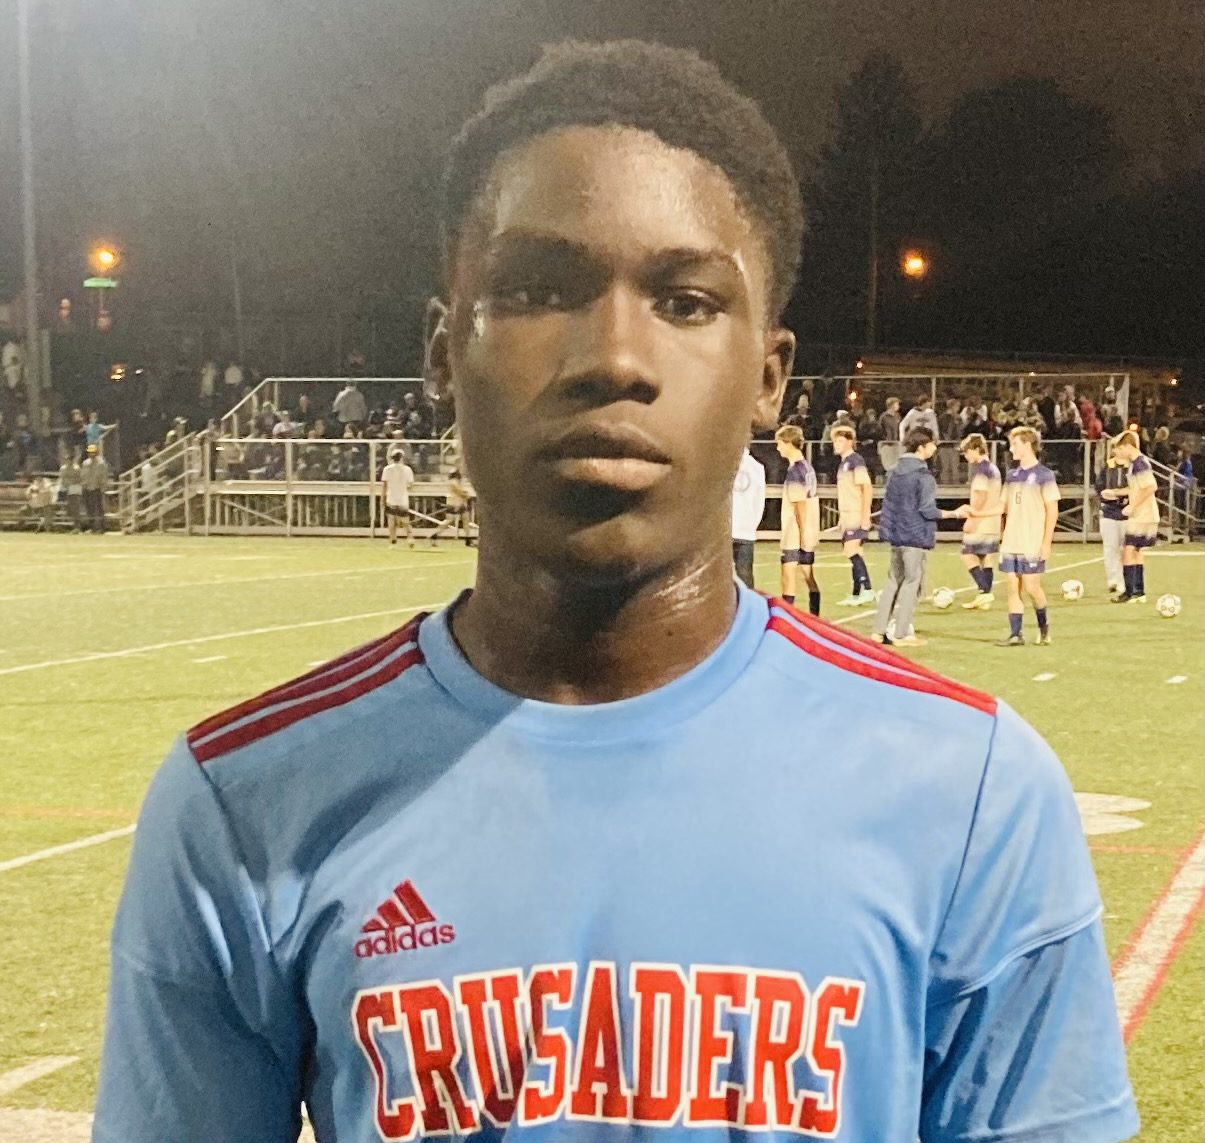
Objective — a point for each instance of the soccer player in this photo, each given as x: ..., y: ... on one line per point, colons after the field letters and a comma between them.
x: 396, y: 479
x: 1031, y: 507
x: 800, y: 518
x: 1111, y: 486
x: 1141, y: 516
x: 538, y: 864
x: 981, y: 530
x: 748, y: 507
x: 855, y: 494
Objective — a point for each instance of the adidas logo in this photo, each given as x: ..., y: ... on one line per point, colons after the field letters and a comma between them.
x: 403, y: 922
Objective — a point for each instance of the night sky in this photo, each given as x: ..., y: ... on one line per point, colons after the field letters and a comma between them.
x: 308, y: 135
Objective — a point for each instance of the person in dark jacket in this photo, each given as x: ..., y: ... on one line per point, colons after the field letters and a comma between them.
x: 908, y: 522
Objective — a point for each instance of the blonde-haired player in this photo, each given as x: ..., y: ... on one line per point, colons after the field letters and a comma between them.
x: 855, y: 493
x: 1031, y: 506
x: 1141, y: 516
x: 981, y: 531
x: 800, y: 517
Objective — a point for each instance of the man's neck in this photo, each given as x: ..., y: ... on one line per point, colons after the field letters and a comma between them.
x: 546, y: 637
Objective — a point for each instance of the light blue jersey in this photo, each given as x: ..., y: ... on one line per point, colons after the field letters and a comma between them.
x: 425, y: 907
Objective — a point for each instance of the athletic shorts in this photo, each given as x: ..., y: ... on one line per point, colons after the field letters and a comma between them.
x: 980, y: 547
x: 796, y: 556
x: 1013, y: 564
x: 401, y: 511
x: 854, y: 534
x: 1144, y: 539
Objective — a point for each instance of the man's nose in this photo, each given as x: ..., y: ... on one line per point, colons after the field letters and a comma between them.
x: 612, y: 351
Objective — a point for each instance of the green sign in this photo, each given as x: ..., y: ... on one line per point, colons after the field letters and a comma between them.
x: 100, y: 283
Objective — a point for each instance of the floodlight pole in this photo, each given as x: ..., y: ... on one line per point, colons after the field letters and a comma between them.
x: 33, y: 337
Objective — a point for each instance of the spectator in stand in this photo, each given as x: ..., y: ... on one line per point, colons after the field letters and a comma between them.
x: 148, y: 478
x: 889, y: 435
x: 974, y: 408
x: 285, y: 427
x: 411, y: 406
x: 77, y: 433
x: 28, y: 451
x: 12, y: 359
x: 305, y: 415
x: 869, y: 436
x: 350, y: 407
x: 39, y: 500
x: 1093, y: 428
x: 94, y: 430
x: 1186, y: 480
x: 949, y: 425
x: 1068, y: 424
x: 95, y: 478
x: 207, y: 389
x: 1162, y: 450
x: 232, y: 378
x: 1110, y: 414
x: 71, y: 488
x: 1045, y: 404
x: 920, y: 416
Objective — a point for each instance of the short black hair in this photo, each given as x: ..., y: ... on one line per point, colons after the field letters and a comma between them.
x: 669, y: 92
x: 916, y: 438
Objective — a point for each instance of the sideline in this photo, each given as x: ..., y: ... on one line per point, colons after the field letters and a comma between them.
x: 68, y: 847
x: 197, y: 640
x: 34, y: 1070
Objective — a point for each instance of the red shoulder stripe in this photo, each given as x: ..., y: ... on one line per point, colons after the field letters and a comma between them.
x: 820, y: 650
x: 248, y: 732
x: 329, y: 674
x: 871, y: 650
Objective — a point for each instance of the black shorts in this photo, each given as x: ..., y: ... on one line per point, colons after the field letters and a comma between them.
x: 396, y: 510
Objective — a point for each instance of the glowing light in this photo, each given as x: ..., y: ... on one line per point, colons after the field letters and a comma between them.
x: 104, y: 258
x: 853, y: 394
x: 1175, y: 381
x: 914, y: 264
x: 858, y: 364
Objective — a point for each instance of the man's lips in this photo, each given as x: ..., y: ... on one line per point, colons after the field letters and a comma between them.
x: 620, y: 457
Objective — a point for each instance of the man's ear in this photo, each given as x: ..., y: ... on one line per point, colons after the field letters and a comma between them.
x: 437, y: 373
x: 776, y: 370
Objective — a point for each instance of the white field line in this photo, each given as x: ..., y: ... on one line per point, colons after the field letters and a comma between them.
x: 416, y: 568
x: 37, y: 1126
x: 34, y: 1070
x: 210, y: 659
x: 1143, y: 964
x: 963, y: 590
x: 69, y: 847
x: 1178, y: 679
x: 199, y: 639
x: 1045, y: 677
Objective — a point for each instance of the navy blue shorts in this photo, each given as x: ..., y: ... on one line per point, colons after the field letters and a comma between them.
x: 1141, y: 539
x: 796, y: 556
x: 975, y: 547
x: 854, y: 534
x: 1014, y: 564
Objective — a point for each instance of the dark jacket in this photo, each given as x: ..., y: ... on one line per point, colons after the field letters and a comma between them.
x: 910, y: 513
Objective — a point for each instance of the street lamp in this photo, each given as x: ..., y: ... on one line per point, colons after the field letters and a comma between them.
x: 914, y: 264
x: 104, y: 259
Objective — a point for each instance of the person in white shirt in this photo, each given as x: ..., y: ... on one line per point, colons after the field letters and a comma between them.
x: 920, y: 416
x: 748, y: 505
x: 396, y: 478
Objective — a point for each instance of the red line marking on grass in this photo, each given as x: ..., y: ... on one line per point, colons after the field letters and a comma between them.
x: 1141, y: 968
x: 62, y: 812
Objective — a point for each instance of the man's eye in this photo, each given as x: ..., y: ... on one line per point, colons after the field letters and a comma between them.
x: 528, y: 297
x: 689, y: 307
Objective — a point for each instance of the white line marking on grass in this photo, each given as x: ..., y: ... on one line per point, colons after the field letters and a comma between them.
x: 140, y: 556
x: 34, y: 1070
x: 210, y: 659
x: 317, y: 663
x: 1045, y: 677
x: 70, y: 847
x: 197, y: 640
x: 418, y: 569
x: 1178, y: 679
x: 971, y: 587
x: 1143, y: 965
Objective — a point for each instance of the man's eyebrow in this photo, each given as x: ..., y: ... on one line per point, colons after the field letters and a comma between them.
x: 537, y: 243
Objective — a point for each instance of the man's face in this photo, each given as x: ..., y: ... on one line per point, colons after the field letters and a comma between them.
x: 842, y: 446
x: 1019, y: 449
x: 608, y: 346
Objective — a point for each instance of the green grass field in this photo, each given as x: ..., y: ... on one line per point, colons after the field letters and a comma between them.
x: 110, y: 646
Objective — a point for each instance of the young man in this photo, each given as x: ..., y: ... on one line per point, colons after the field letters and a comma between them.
x: 1031, y: 507
x: 586, y: 893
x: 855, y: 493
x: 396, y: 479
x: 1111, y: 485
x: 981, y: 532
x: 460, y: 493
x: 908, y: 523
x: 1141, y: 515
x: 800, y: 531
x: 748, y: 507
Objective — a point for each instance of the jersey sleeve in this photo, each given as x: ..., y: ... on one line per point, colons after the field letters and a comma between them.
x: 1022, y: 1043
x: 860, y: 473
x: 1050, y: 488
x: 202, y: 1037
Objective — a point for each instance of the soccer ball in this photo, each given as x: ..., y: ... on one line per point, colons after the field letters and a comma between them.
x: 1073, y: 589
x: 943, y: 598
x: 1168, y: 606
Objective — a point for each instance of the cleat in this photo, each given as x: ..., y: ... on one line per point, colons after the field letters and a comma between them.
x: 849, y: 601
x: 1138, y: 599
x: 911, y: 641
x: 982, y: 602
x: 867, y: 596
x: 1011, y: 641
x: 1124, y: 597
x: 1043, y: 639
